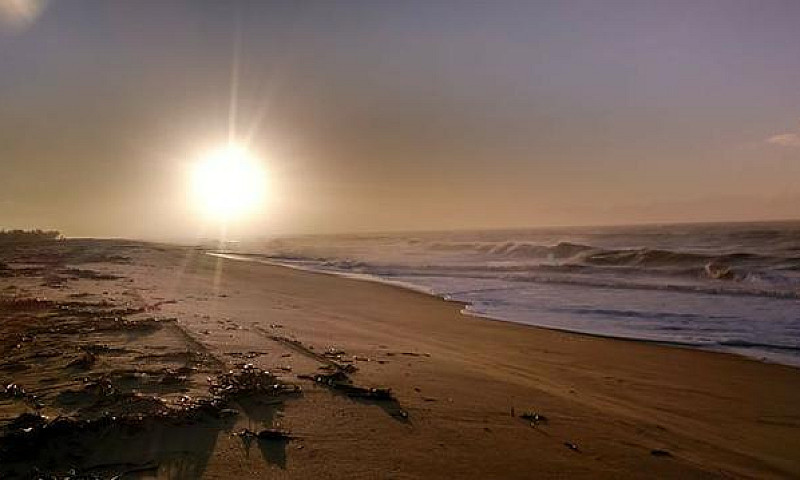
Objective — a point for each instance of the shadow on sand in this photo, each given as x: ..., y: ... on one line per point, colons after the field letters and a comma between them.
x: 260, y: 413
x: 149, y: 447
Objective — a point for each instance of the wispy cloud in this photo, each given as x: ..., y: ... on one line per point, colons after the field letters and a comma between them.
x: 785, y: 139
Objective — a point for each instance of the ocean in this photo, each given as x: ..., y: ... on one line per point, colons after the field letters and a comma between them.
x: 724, y: 287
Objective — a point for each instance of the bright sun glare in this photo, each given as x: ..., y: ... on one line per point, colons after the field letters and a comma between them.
x: 228, y: 184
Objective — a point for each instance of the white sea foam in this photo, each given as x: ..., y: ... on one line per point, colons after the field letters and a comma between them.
x: 732, y: 288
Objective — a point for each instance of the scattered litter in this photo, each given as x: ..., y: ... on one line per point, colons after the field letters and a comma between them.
x: 250, y: 380
x: 571, y: 446
x: 329, y: 358
x: 15, y: 391
x: 266, y: 434
x: 339, y: 381
x: 246, y: 355
x: 333, y: 352
x: 534, y: 417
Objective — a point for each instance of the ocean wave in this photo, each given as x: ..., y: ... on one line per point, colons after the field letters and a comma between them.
x: 649, y: 315
x: 704, y: 287
x: 594, y: 255
x: 707, y: 289
x: 759, y: 345
x: 620, y: 278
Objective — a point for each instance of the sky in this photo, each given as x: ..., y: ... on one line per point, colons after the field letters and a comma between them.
x: 414, y: 115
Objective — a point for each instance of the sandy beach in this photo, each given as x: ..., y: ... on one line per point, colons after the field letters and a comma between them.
x: 373, y: 381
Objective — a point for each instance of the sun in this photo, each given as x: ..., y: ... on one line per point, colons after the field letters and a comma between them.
x: 228, y: 184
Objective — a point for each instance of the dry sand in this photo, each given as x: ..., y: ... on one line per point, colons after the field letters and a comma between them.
x: 158, y: 321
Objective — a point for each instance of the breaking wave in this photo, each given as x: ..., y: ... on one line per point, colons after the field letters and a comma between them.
x: 729, y: 287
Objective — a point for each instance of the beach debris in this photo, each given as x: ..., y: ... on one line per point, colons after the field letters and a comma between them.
x: 534, y: 418
x: 26, y: 422
x: 14, y: 391
x: 572, y: 446
x: 328, y: 359
x: 246, y: 355
x: 27, y: 433
x: 657, y: 452
x: 85, y: 361
x: 97, y: 348
x: 339, y: 381
x: 333, y: 352
x: 249, y: 380
x: 173, y: 377
x: 415, y: 354
x: 25, y: 304
x: 87, y: 274
x: 265, y: 434
x: 102, y: 387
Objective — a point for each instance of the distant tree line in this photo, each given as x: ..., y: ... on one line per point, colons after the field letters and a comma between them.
x: 19, y: 236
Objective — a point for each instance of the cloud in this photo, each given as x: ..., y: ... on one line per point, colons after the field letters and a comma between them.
x: 785, y: 140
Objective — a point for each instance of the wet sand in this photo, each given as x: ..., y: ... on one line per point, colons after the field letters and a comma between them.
x: 395, y: 384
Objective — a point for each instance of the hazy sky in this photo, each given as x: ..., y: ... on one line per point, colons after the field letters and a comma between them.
x: 384, y: 115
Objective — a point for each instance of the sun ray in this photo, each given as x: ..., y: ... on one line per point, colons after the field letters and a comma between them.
x: 233, y: 107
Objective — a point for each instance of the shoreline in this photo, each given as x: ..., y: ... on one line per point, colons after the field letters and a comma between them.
x: 428, y: 392
x: 465, y: 310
